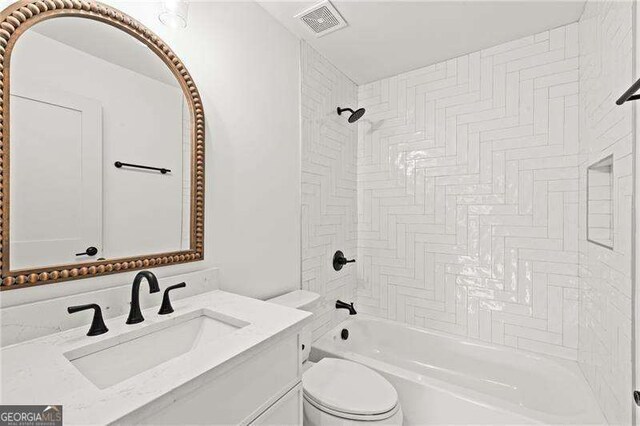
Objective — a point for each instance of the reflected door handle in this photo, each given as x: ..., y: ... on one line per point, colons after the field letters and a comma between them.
x: 91, y: 251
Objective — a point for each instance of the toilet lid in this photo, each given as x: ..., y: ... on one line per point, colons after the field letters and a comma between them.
x: 348, y: 387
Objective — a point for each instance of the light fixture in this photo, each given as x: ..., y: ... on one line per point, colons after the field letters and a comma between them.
x: 174, y: 13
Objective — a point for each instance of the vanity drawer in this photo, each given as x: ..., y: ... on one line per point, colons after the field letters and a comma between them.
x: 239, y: 394
x: 286, y: 411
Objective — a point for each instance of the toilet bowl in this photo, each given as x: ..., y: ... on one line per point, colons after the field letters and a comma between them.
x: 340, y: 392
x: 337, y: 391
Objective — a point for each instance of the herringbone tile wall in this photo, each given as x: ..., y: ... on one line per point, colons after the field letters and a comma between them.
x: 328, y: 185
x: 604, y: 350
x: 468, y: 195
x: 470, y: 183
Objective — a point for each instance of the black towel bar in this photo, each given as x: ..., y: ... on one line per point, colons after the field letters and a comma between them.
x: 162, y: 170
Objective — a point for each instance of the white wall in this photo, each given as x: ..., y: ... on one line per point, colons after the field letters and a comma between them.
x: 468, y: 191
x: 604, y: 351
x: 328, y: 185
x: 246, y: 67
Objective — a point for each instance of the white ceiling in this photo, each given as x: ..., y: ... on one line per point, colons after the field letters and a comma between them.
x: 386, y: 38
x: 108, y: 43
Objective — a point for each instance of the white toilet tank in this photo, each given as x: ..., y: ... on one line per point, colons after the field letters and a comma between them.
x: 305, y: 301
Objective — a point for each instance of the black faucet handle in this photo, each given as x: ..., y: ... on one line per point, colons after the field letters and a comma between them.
x: 166, y: 307
x: 98, y: 326
x: 339, y: 260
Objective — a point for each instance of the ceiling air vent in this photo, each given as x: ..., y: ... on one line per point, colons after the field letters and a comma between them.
x: 322, y: 19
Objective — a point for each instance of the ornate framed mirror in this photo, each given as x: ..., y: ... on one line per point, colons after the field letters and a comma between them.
x: 101, y: 146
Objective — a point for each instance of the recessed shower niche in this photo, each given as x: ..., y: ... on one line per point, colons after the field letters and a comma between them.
x: 600, y: 202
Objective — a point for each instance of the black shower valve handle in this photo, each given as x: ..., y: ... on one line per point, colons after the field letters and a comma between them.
x: 339, y: 260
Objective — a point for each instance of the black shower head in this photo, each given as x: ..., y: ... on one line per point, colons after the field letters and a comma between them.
x: 355, y: 115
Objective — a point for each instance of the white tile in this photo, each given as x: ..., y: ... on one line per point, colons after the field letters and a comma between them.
x: 467, y: 194
x: 329, y: 203
x: 555, y: 303
x: 603, y: 306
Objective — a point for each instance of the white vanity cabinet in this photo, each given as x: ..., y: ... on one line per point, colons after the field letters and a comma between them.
x: 286, y: 411
x: 263, y: 389
x: 218, y: 359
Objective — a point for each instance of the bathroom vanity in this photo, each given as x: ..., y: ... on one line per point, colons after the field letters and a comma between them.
x: 204, y: 363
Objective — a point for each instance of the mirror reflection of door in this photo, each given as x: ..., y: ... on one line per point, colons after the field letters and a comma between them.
x: 85, y: 95
x: 62, y: 184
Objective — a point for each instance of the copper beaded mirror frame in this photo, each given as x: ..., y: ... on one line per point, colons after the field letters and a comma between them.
x: 14, y: 21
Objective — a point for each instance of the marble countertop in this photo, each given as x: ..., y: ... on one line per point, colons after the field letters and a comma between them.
x: 38, y: 372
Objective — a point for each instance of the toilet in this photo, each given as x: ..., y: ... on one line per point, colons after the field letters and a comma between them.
x: 337, y: 391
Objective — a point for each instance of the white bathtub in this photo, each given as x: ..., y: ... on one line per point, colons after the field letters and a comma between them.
x: 448, y: 380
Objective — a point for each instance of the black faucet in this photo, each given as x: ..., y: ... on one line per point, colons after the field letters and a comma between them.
x: 342, y: 305
x: 166, y: 307
x: 135, y: 316
x: 98, y: 326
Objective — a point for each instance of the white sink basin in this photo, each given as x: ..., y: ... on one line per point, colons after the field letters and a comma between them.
x: 112, y: 361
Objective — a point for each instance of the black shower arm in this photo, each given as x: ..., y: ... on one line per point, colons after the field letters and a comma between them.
x: 341, y: 110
